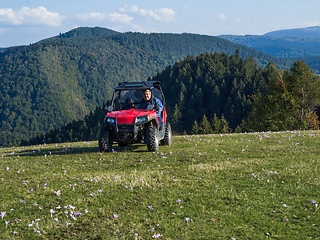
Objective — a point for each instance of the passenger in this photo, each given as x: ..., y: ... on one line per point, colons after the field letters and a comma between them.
x: 148, y: 99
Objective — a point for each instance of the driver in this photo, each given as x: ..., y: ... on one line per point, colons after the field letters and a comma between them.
x: 148, y: 99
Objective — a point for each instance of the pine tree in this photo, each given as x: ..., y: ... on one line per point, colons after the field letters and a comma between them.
x: 195, y: 128
x: 176, y: 118
x: 216, y: 124
x: 189, y: 118
x: 205, y: 126
x: 215, y: 102
x: 238, y: 129
x: 225, y: 125
x: 229, y: 111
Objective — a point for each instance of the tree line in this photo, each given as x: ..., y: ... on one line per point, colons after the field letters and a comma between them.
x: 212, y: 84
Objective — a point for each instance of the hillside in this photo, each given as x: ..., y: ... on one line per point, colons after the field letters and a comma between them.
x: 3, y: 49
x: 288, y: 43
x: 53, y: 82
x: 296, y: 32
x: 230, y: 186
x: 282, y: 47
x: 84, y: 32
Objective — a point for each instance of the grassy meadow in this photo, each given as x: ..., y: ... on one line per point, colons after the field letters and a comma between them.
x: 230, y: 186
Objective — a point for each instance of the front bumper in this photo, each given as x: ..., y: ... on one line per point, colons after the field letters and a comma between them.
x: 127, y: 133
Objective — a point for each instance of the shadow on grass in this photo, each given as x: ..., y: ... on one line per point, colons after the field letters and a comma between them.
x: 132, y: 148
x: 71, y: 150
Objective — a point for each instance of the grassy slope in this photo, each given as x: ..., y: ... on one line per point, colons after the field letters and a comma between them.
x: 243, y: 186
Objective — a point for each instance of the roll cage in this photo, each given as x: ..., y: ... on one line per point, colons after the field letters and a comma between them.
x: 134, y: 92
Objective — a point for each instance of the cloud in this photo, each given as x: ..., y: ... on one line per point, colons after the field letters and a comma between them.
x: 30, y: 16
x: 161, y: 15
x: 309, y: 24
x: 138, y: 28
x: 185, y: 8
x: 238, y: 19
x: 221, y: 16
x: 112, y: 17
x: 304, y: 24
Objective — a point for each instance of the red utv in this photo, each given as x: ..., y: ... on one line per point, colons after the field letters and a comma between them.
x: 125, y: 124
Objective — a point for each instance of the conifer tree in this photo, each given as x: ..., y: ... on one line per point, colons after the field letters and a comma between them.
x: 229, y: 111
x: 224, y: 125
x: 195, y: 128
x: 216, y: 124
x: 215, y: 101
x: 205, y: 126
x: 190, y: 115
x: 176, y: 117
x: 238, y: 129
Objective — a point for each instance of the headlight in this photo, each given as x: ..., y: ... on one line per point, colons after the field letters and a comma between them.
x: 110, y: 120
x: 142, y: 119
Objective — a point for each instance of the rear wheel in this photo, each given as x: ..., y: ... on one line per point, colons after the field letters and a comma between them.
x: 105, y: 142
x: 152, y: 139
x: 167, y: 140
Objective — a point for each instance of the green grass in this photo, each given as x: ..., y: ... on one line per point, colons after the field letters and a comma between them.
x: 242, y: 186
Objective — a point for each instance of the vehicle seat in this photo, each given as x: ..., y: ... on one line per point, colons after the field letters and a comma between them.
x: 128, y: 104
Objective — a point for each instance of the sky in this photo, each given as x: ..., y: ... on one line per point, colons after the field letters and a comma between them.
x: 24, y: 22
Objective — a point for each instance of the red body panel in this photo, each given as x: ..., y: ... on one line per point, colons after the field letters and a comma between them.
x: 128, y: 116
x: 164, y: 117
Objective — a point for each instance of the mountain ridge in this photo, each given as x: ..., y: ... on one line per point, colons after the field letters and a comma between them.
x: 313, y: 31
x: 83, y: 32
x: 287, y: 43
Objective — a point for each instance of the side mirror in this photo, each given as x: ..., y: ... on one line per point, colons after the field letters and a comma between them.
x: 109, y: 108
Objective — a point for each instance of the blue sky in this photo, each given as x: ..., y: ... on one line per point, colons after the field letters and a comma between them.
x: 27, y: 21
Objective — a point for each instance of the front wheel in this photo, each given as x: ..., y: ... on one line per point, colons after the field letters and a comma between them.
x: 105, y: 142
x: 152, y: 139
x: 167, y: 140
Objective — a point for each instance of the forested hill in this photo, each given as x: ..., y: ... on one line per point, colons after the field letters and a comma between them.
x: 283, y: 47
x: 313, y: 31
x: 299, y: 42
x: 54, y: 82
x: 305, y: 48
x: 84, y: 32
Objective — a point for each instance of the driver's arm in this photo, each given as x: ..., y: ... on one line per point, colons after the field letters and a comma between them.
x: 159, y: 104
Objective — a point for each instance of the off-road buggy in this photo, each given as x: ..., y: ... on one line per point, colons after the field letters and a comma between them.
x: 126, y: 124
